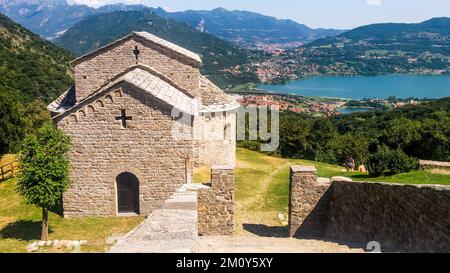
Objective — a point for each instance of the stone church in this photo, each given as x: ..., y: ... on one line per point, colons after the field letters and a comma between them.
x: 140, y: 116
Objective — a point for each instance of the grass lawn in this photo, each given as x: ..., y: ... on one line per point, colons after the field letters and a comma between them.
x: 20, y: 225
x: 246, y: 87
x: 262, y: 186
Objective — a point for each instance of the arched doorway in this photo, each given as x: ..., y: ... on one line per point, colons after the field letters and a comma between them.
x: 127, y: 193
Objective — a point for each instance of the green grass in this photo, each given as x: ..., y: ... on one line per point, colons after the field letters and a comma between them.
x: 261, y: 193
x: 268, y: 177
x: 246, y: 87
x: 20, y: 225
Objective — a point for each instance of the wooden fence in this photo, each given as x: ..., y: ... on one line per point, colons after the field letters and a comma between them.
x: 8, y: 170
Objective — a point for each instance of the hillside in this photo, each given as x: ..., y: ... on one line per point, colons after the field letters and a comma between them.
x: 386, y: 48
x: 422, y: 48
x: 249, y: 29
x: 30, y: 68
x: 50, y: 18
x: 99, y: 30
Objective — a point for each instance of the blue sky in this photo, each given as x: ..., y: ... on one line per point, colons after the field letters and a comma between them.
x: 314, y: 13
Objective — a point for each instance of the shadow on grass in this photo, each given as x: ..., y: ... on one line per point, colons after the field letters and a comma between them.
x: 24, y: 230
x: 266, y: 231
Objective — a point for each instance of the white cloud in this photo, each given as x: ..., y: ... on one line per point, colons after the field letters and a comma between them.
x: 374, y: 2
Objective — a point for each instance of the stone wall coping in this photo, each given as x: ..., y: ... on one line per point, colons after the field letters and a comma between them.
x: 429, y: 163
x: 222, y: 167
x: 420, y: 186
x: 303, y: 169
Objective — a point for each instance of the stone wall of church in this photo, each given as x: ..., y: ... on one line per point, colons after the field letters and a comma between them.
x: 98, y: 70
x: 216, y: 139
x: 215, y: 205
x: 102, y: 149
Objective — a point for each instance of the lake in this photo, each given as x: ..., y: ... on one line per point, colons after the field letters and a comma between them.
x: 352, y: 110
x: 360, y: 87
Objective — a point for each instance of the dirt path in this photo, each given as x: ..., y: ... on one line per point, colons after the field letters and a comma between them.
x: 249, y: 219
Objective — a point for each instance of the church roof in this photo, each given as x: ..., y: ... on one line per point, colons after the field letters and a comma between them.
x: 140, y: 78
x: 64, y: 102
x: 213, y: 98
x: 149, y: 38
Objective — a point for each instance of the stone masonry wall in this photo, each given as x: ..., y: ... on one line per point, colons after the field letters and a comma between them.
x: 309, y: 203
x: 98, y: 70
x: 217, y: 144
x: 215, y: 205
x: 427, y: 164
x: 407, y: 218
x: 102, y: 149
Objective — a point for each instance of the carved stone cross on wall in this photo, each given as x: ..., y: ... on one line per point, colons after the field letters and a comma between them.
x: 136, y: 53
x: 123, y: 117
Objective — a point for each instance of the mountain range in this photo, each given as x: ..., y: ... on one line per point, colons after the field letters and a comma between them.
x: 249, y: 29
x: 51, y: 18
x: 102, y: 29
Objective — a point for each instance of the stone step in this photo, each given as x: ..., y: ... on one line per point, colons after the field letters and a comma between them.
x: 171, y: 229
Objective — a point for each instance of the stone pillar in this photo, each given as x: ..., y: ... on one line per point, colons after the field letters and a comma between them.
x: 215, y: 204
x: 308, y: 203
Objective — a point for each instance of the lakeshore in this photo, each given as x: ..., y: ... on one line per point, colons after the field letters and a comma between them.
x: 370, y: 87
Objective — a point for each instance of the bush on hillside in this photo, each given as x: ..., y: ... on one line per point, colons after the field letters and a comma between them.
x: 386, y: 161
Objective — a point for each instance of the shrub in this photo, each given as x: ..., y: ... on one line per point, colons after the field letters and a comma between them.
x: 378, y: 163
x: 401, y: 162
x: 386, y: 161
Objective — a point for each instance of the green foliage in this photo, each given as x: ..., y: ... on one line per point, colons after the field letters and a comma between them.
x: 31, y: 68
x: 44, y: 167
x: 18, y: 120
x: 379, y: 162
x: 34, y: 115
x: 395, y: 136
x: 321, y: 135
x: 386, y: 161
x: 421, y: 131
x: 10, y: 124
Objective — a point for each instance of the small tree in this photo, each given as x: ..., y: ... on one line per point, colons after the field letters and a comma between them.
x: 44, y: 170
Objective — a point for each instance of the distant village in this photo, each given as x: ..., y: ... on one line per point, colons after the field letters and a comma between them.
x: 317, y: 106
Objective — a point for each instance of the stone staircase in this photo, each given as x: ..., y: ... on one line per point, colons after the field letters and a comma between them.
x: 171, y: 229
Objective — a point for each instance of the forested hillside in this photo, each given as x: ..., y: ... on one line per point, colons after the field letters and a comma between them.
x: 30, y: 68
x: 32, y: 73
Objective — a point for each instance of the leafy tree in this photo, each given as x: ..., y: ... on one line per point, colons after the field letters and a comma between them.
x: 34, y: 116
x: 386, y: 161
x: 44, y: 170
x: 10, y: 124
x: 354, y: 145
x: 322, y: 133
